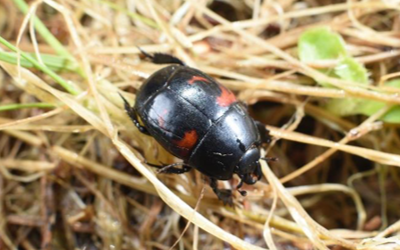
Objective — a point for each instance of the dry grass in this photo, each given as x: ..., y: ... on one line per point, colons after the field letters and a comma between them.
x: 71, y: 163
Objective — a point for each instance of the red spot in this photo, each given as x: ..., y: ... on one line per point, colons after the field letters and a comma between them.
x: 197, y: 78
x: 226, y: 97
x: 189, y: 139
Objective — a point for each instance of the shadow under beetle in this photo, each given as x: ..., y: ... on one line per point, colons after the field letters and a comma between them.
x: 201, y: 122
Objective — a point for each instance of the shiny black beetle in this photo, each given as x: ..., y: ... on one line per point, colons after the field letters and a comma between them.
x: 199, y: 121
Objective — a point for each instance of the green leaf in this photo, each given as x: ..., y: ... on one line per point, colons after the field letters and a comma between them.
x: 355, y: 106
x: 323, y: 44
x: 344, y: 107
x: 320, y: 44
x: 393, y: 83
x: 368, y: 108
x: 392, y: 116
x: 350, y: 69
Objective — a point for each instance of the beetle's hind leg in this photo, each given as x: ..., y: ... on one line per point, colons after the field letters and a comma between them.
x: 225, y: 195
x: 161, y: 58
x: 133, y: 115
x: 171, y: 169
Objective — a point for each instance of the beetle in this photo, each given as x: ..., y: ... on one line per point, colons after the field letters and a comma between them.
x: 200, y: 121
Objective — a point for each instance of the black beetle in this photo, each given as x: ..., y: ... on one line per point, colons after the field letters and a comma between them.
x: 199, y: 121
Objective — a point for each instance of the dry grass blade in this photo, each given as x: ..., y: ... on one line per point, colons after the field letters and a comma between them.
x: 374, y: 155
x: 311, y: 229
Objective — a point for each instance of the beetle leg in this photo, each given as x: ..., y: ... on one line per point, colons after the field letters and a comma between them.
x: 225, y: 195
x: 161, y: 58
x: 133, y: 115
x: 171, y: 169
x: 242, y: 192
x: 264, y: 133
x: 258, y: 171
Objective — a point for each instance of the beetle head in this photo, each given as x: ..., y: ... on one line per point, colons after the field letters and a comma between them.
x: 249, y: 168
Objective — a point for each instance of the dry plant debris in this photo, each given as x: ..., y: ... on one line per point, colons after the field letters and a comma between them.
x: 71, y: 163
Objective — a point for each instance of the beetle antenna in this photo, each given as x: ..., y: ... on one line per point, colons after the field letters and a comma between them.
x: 268, y: 159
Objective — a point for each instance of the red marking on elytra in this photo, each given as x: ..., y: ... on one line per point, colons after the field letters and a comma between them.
x: 197, y: 78
x: 226, y: 98
x: 188, y: 140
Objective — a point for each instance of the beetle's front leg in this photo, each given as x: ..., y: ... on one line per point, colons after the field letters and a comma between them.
x: 133, y: 115
x: 225, y: 195
x: 264, y: 133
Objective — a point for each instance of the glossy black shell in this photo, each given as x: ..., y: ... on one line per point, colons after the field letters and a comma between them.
x: 196, y: 119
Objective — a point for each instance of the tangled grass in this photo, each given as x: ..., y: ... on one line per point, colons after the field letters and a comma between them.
x: 72, y: 172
